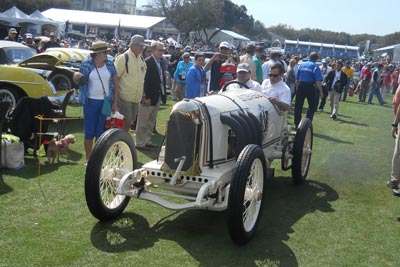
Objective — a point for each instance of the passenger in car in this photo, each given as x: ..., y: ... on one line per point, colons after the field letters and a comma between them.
x: 244, y: 76
x: 276, y: 89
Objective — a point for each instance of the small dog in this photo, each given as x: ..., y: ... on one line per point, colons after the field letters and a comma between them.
x: 55, y: 148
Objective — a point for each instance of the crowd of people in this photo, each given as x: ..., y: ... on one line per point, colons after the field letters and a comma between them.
x: 135, y: 83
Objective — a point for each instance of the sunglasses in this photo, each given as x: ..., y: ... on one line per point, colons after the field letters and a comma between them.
x: 223, y: 48
x: 185, y: 57
x: 274, y: 75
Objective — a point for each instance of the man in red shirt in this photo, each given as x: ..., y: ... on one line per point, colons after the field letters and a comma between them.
x: 366, y: 75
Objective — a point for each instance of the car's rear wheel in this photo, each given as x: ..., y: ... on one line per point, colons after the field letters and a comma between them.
x: 9, y: 94
x: 246, y: 194
x: 61, y: 82
x: 302, y: 150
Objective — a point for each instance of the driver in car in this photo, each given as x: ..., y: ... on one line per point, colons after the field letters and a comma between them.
x: 276, y: 89
x: 243, y: 71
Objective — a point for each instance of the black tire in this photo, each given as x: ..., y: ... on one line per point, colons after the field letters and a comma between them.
x: 113, y: 155
x: 9, y: 94
x: 249, y: 178
x: 61, y: 82
x: 302, y: 151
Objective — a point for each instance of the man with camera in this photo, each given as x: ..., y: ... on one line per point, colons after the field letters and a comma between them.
x: 215, y: 65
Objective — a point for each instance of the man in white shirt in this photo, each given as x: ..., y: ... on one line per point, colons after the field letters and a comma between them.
x: 275, y: 58
x: 244, y: 76
x: 325, y: 69
x: 276, y: 89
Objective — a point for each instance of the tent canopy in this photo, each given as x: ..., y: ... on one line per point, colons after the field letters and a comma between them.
x: 79, y: 17
x: 18, y: 16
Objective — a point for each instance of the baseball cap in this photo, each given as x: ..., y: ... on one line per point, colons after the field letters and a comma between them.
x: 243, y: 67
x: 224, y: 44
x: 323, y: 61
x: 28, y: 35
x: 137, y: 40
x: 12, y: 30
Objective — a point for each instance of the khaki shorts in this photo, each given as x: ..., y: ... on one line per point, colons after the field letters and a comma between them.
x: 128, y: 109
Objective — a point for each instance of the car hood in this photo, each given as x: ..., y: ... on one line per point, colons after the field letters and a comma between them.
x: 42, y: 61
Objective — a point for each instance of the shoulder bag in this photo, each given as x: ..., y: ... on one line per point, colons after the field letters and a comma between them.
x: 106, y: 108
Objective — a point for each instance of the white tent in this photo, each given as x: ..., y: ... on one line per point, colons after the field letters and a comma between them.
x: 218, y: 36
x: 107, y: 20
x: 46, y: 25
x: 36, y: 23
x: 18, y: 16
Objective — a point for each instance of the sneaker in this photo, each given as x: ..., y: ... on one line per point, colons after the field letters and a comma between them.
x: 393, y: 184
x: 396, y: 192
x: 334, y: 117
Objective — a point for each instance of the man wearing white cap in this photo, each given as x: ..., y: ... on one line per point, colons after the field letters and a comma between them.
x: 244, y: 76
x: 28, y: 41
x: 215, y: 65
x: 276, y: 89
x: 131, y: 69
x: 12, y: 35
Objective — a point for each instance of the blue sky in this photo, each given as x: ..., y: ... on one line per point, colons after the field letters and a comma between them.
x: 351, y: 16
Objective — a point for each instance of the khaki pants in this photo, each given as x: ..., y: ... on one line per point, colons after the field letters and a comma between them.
x: 334, y: 97
x: 145, y: 123
x: 395, y: 175
x: 180, y: 91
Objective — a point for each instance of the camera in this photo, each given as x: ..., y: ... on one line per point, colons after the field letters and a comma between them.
x: 223, y: 56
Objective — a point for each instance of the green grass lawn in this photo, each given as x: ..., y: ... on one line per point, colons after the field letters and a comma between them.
x: 343, y: 216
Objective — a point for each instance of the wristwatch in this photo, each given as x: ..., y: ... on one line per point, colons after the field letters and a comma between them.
x: 394, y: 125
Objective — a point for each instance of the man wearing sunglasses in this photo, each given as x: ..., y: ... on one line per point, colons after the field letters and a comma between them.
x: 276, y: 89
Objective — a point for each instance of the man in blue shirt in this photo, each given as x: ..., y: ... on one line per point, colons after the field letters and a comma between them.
x: 308, y: 78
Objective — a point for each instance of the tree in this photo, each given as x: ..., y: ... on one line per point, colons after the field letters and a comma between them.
x: 199, y: 15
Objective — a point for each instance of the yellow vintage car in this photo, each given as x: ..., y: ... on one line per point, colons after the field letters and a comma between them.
x: 23, y: 72
x: 17, y: 82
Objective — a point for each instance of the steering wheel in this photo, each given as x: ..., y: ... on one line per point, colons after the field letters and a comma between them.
x: 223, y: 89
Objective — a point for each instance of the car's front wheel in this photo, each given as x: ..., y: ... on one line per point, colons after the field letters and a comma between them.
x: 8, y: 94
x: 246, y: 194
x: 113, y: 156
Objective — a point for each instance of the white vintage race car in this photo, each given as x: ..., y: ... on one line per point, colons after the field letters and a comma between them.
x: 216, y: 155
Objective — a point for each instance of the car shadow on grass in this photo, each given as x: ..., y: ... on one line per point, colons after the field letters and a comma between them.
x: 202, y: 233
